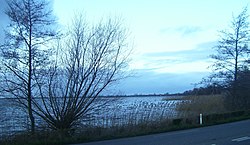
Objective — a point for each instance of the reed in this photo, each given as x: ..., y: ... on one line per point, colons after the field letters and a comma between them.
x: 204, y: 104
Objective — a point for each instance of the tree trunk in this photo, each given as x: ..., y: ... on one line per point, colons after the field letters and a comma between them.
x: 31, y: 117
x: 30, y: 111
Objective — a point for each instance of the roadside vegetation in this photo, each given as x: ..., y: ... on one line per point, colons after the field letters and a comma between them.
x: 130, y: 129
x: 205, y: 104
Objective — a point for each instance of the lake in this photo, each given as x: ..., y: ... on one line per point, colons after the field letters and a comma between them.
x: 119, y: 111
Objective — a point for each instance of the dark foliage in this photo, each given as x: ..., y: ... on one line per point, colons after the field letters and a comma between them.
x: 208, y: 90
x: 239, y: 96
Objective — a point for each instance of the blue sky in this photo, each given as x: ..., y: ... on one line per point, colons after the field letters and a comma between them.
x: 172, y: 39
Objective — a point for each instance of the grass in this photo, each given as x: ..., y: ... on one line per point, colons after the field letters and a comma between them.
x: 204, y: 104
x: 40, y: 138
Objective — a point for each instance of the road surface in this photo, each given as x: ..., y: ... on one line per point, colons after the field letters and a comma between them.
x: 237, y: 133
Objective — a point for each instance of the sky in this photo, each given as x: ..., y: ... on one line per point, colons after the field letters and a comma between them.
x: 171, y: 39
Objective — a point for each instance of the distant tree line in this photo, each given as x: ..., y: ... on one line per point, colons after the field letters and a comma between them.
x: 208, y: 90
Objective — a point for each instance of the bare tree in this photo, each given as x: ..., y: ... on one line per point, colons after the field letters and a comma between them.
x: 231, y: 60
x: 25, y: 54
x: 92, y: 58
x: 232, y: 49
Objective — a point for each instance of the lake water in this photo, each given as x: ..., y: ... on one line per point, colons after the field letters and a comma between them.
x: 119, y: 111
x: 135, y: 110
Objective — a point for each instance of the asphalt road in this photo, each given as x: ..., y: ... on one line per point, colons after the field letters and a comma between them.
x: 237, y: 133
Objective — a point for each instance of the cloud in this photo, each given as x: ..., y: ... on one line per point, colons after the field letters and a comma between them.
x: 172, y: 72
x: 183, y: 61
x: 207, y: 45
x: 188, y: 30
x: 201, y: 53
x: 149, y: 82
x: 184, y: 31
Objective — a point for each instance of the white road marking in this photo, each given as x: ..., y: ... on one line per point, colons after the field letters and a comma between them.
x: 241, y: 139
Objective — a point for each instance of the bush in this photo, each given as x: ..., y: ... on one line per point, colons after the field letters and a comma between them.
x: 177, y: 121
